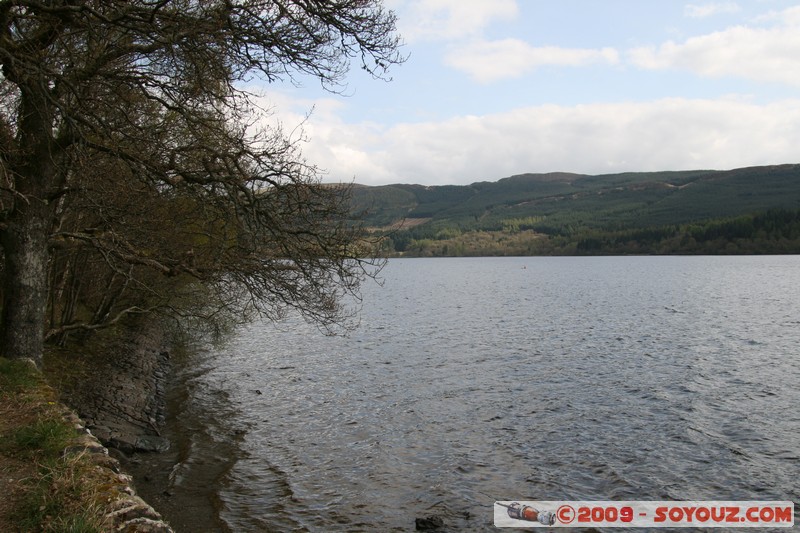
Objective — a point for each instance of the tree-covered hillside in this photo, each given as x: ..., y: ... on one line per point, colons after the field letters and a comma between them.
x: 748, y: 210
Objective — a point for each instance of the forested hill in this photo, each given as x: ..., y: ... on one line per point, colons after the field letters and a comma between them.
x: 747, y: 210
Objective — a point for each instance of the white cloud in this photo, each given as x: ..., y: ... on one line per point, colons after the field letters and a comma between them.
x: 787, y: 17
x: 447, y: 20
x: 708, y: 10
x: 760, y: 54
x: 489, y: 61
x: 668, y: 134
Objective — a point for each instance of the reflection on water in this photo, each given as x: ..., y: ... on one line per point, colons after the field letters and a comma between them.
x: 475, y: 380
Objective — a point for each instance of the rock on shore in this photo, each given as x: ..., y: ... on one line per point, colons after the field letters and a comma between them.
x: 123, y: 400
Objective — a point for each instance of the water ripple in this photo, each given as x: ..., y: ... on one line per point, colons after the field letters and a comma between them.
x: 473, y: 380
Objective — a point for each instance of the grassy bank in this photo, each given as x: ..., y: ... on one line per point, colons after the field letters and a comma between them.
x: 45, y: 486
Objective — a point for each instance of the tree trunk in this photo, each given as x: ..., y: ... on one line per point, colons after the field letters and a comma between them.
x: 27, y: 228
x: 25, y: 283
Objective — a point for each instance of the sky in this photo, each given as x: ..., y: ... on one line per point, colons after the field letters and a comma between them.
x: 494, y: 88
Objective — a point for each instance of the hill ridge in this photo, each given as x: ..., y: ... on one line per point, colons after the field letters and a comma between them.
x: 564, y: 205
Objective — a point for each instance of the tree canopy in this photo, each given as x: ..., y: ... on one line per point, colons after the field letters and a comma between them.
x: 137, y: 175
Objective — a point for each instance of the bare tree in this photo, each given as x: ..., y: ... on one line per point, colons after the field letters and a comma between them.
x: 117, y: 116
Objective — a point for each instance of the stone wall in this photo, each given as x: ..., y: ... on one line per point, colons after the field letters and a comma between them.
x: 119, y: 403
x: 125, y: 511
x: 122, y: 401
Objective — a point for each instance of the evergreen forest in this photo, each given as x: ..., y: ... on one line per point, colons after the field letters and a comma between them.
x: 752, y: 210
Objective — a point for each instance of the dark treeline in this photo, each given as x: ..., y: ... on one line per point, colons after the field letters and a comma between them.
x: 775, y: 231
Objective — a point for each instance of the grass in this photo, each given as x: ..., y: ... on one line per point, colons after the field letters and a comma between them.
x: 59, y: 492
x: 17, y: 375
x: 62, y: 498
x: 46, y: 437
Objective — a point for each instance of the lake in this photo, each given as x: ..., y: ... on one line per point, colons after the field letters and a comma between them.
x: 472, y: 380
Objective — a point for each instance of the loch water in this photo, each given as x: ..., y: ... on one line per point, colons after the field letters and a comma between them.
x: 471, y: 380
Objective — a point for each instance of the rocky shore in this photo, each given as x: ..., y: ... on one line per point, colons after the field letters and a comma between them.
x: 123, y: 401
x: 57, y: 475
x: 120, y: 403
x: 127, y: 512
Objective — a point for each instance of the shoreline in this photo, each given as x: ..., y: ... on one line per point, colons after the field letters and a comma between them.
x: 185, y: 496
x: 128, y: 389
x: 62, y: 466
